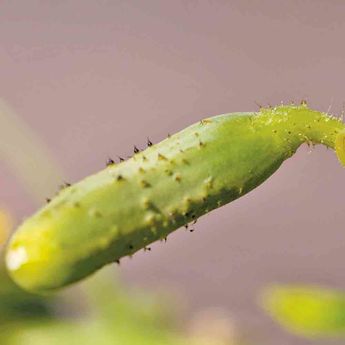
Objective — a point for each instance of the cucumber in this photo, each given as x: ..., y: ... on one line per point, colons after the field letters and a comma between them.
x: 127, y: 206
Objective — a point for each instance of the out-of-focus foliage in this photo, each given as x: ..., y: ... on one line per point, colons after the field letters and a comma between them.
x: 109, y: 315
x: 16, y: 304
x: 307, y: 310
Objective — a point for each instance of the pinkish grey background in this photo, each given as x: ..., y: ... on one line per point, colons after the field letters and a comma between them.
x: 93, y: 78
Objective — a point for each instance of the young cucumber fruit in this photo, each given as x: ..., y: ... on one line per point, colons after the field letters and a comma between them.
x: 127, y: 206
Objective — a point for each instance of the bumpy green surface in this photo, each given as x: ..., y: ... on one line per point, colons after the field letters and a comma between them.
x: 127, y: 206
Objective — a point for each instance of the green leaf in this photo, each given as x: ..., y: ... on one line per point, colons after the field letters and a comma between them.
x: 309, y: 311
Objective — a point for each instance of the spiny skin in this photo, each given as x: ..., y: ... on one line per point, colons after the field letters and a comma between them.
x: 127, y: 206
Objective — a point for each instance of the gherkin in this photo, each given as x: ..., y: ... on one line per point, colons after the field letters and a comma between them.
x: 127, y: 206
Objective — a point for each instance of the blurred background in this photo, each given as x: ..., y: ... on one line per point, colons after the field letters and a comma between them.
x: 86, y: 80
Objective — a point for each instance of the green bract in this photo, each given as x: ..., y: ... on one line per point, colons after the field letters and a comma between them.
x: 127, y: 206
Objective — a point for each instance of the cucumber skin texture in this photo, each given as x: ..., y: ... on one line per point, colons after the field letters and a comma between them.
x: 127, y: 206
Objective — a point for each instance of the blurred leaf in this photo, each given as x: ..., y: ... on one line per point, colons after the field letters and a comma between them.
x: 16, y: 304
x: 113, y: 316
x: 108, y: 298
x: 307, y: 310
